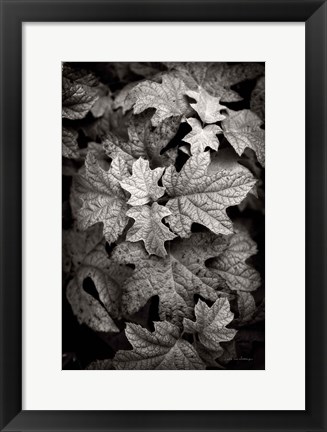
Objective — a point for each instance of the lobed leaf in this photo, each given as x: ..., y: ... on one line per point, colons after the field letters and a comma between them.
x: 70, y: 147
x: 102, y: 197
x: 207, y: 106
x: 99, y: 314
x: 161, y: 349
x: 242, y: 129
x: 148, y: 227
x: 143, y: 184
x: 77, y: 99
x: 210, y: 324
x: 175, y: 279
x: 257, y: 102
x: 198, y: 197
x: 231, y: 264
x: 200, y: 138
x: 168, y: 98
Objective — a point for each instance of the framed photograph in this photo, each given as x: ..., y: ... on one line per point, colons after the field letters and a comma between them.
x: 163, y: 215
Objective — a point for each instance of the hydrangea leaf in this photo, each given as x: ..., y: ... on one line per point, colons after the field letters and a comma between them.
x: 88, y: 310
x: 257, y: 102
x: 259, y: 314
x: 201, y: 198
x: 168, y: 98
x: 161, y: 349
x: 79, y: 76
x: 144, y: 69
x: 229, y: 353
x: 102, y: 196
x: 145, y: 141
x: 227, y: 159
x: 221, y: 77
x: 193, y: 74
x: 101, y: 106
x: 242, y: 130
x: 106, y: 364
x: 204, y: 75
x: 70, y: 147
x: 115, y: 146
x: 148, y: 227
x: 107, y: 277
x: 121, y: 98
x: 99, y: 127
x: 209, y: 357
x: 207, y: 106
x: 192, y: 254
x: 211, y: 322
x: 199, y: 138
x: 231, y: 264
x: 246, y: 306
x: 77, y: 99
x: 175, y: 279
x: 77, y: 244
x: 149, y: 142
x: 143, y: 184
x: 216, y: 78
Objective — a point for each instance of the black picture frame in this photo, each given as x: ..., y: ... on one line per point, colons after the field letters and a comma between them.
x: 13, y: 14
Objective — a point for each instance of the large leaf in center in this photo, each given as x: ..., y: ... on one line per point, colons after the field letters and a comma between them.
x: 202, y: 198
x: 143, y: 183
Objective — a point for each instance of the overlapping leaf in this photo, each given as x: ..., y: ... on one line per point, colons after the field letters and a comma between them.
x: 222, y: 76
x: 199, y: 138
x: 121, y: 97
x: 210, y: 324
x: 101, y: 106
x: 192, y: 253
x: 231, y: 264
x: 227, y: 159
x: 217, y: 78
x: 242, y: 129
x: 79, y: 76
x: 168, y: 98
x: 257, y: 102
x: 207, y: 106
x: 175, y: 279
x: 77, y: 244
x: 145, y: 69
x: 102, y: 196
x: 106, y: 364
x: 107, y: 276
x: 77, y: 99
x: 246, y: 306
x: 145, y: 141
x: 161, y: 349
x: 143, y: 184
x: 148, y: 227
x: 140, y: 164
x: 151, y: 141
x: 198, y: 197
x: 69, y: 143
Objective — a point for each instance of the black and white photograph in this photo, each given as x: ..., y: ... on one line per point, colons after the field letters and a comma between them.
x: 163, y: 216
